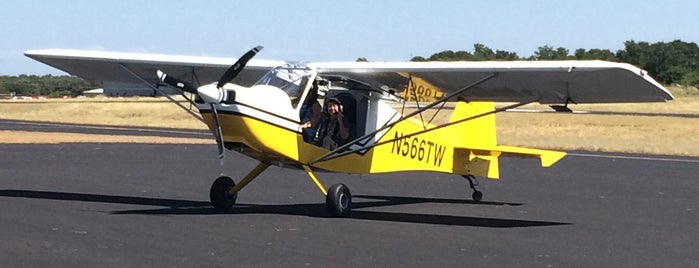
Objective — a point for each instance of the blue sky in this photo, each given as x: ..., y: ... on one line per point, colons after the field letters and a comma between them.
x: 333, y: 30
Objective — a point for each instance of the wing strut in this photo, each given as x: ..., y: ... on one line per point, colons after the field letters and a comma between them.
x: 339, y: 150
x: 198, y: 117
x: 413, y: 90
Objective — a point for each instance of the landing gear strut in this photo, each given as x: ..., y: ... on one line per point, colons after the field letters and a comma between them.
x: 338, y: 199
x: 477, y: 195
x: 224, y: 191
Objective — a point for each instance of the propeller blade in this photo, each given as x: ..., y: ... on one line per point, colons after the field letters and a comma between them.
x: 235, y: 69
x: 218, y: 134
x: 174, y: 82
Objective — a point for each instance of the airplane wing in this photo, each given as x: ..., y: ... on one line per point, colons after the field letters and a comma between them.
x: 128, y: 70
x: 546, y: 82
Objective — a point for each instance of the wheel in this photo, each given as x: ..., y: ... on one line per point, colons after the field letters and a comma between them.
x: 339, y: 200
x: 477, y: 196
x: 219, y: 196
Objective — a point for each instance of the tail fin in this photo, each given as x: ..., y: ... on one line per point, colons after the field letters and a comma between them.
x: 478, y: 126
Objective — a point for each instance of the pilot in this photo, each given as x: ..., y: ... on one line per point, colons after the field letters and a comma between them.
x: 335, y: 129
x: 310, y: 114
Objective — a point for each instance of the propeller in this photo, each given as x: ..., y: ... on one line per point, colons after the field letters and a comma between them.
x: 235, y: 69
x: 174, y: 82
x: 212, y: 95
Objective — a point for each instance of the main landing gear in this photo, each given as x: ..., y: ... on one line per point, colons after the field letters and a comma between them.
x: 219, y: 193
x: 224, y: 191
x: 477, y: 195
x: 338, y: 200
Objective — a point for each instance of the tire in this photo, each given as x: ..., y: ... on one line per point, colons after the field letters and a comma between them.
x: 477, y: 196
x: 339, y: 200
x: 219, y: 197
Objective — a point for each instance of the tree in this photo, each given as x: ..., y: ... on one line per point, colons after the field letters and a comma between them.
x: 691, y: 78
x: 481, y: 52
x: 550, y: 53
x: 449, y: 55
x: 505, y: 55
x: 545, y: 52
x: 674, y: 62
x: 43, y: 85
x: 594, y: 54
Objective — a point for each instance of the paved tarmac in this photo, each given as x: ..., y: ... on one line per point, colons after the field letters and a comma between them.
x: 135, y: 205
x: 6, y: 124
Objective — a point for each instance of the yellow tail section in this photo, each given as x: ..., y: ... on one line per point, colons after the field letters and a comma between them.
x: 477, y: 128
x: 474, y: 136
x: 468, y: 145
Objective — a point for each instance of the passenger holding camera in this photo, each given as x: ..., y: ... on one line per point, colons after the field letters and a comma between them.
x: 334, y: 130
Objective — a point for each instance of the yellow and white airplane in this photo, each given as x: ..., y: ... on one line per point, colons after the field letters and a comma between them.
x: 261, y: 114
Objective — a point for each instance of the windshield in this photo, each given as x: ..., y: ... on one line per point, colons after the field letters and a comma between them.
x: 290, y: 78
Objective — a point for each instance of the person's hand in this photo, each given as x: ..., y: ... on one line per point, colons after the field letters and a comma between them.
x: 306, y: 125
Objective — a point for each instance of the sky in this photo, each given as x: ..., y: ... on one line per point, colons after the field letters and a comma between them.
x: 317, y: 30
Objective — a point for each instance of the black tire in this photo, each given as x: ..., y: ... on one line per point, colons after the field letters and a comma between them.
x: 477, y: 196
x: 219, y: 196
x: 339, y: 200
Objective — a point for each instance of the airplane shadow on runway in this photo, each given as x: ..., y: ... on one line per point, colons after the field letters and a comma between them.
x: 187, y: 207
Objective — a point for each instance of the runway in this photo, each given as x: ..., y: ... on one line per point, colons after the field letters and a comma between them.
x: 117, y: 205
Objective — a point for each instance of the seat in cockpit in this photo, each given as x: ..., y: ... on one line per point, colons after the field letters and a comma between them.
x: 349, y: 110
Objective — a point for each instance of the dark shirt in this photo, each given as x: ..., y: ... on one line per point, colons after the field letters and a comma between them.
x: 329, y: 135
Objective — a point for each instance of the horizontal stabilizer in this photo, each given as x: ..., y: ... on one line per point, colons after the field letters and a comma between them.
x: 548, y: 158
x: 485, y: 161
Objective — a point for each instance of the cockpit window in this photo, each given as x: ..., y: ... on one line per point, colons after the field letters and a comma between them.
x: 292, y: 79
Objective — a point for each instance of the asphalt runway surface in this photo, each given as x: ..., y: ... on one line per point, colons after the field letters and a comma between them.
x: 142, y: 205
x: 34, y: 126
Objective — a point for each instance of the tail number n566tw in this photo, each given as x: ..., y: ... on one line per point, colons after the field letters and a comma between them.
x: 417, y: 148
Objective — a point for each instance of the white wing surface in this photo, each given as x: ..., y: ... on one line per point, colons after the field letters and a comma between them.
x: 128, y: 69
x: 551, y: 82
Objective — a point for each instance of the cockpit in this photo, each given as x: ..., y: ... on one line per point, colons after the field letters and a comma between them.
x: 357, y: 99
x: 293, y: 79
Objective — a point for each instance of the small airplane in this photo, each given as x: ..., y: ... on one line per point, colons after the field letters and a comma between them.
x: 261, y: 115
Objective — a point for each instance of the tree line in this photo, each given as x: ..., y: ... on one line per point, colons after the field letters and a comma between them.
x: 675, y: 62
x: 47, y: 85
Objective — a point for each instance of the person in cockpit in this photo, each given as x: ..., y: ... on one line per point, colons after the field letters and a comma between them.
x: 310, y: 114
x: 334, y: 129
